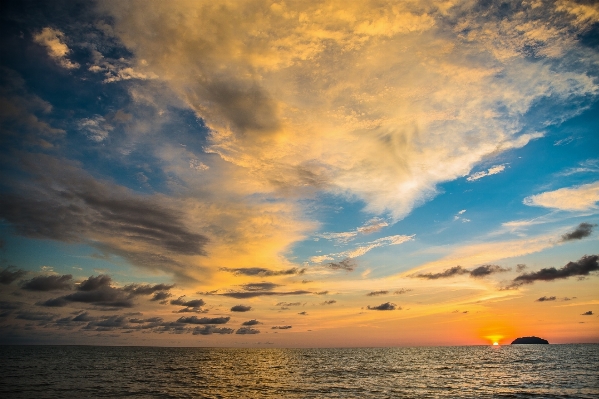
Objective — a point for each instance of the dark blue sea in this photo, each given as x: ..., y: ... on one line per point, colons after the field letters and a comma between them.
x: 519, y: 371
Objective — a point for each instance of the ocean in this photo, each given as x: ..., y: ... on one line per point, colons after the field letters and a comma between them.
x: 518, y: 371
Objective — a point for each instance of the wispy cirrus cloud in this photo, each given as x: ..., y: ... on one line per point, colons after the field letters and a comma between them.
x: 363, y: 248
x: 493, y: 170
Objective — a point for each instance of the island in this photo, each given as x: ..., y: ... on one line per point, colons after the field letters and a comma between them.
x: 529, y: 340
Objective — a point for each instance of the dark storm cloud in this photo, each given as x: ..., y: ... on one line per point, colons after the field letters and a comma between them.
x: 191, y: 310
x: 5, y: 305
x: 107, y: 296
x: 377, y: 293
x: 331, y: 302
x: 346, y: 264
x: 263, y: 286
x: 583, y: 267
x: 252, y: 322
x: 589, y: 313
x: 7, y: 276
x: 95, y: 283
x: 583, y: 230
x: 280, y: 327
x: 262, y: 272
x: 35, y: 316
x: 209, y: 330
x: 161, y: 296
x: 84, y: 317
x: 59, y: 201
x: 241, y: 308
x: 546, y: 298
x: 48, y: 283
x: 480, y: 271
x: 194, y: 303
x: 247, y: 330
x: 107, y: 324
x: 203, y: 320
x: 253, y: 294
x: 149, y: 320
x: 485, y: 270
x: 96, y: 291
x: 384, y: 306
x: 454, y: 271
x: 141, y: 289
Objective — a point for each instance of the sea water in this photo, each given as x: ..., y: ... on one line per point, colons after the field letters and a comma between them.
x: 519, y: 371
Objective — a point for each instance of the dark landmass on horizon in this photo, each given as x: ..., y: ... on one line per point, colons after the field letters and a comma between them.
x: 529, y: 340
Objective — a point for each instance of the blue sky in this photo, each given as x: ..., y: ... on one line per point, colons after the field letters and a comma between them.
x: 429, y: 166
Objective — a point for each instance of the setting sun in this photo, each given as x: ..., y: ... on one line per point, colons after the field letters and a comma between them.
x: 495, y: 343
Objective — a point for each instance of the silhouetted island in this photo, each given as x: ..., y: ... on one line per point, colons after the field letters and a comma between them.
x: 529, y: 340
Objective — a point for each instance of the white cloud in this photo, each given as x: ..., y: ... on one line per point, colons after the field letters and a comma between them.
x: 493, y: 170
x: 53, y: 40
x: 371, y: 226
x: 96, y: 128
x: 578, y: 198
x: 364, y: 248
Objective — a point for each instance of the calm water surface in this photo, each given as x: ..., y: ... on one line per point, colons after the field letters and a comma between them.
x: 522, y: 371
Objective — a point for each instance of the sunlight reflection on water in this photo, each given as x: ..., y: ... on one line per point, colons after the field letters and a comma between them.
x: 548, y: 371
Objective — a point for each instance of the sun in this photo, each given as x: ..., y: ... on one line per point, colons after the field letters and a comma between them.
x: 495, y: 343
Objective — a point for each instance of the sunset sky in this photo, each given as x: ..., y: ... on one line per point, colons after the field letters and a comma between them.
x: 299, y: 173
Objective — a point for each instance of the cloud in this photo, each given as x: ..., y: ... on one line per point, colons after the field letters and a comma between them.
x: 96, y: 291
x: 253, y: 294
x: 262, y: 272
x: 312, y: 91
x: 583, y: 230
x: 209, y: 330
x: 486, y: 270
x: 66, y: 204
x: 53, y: 40
x: 203, y: 320
x: 194, y: 303
x: 288, y: 304
x: 48, y: 283
x: 252, y: 322
x: 280, y: 327
x: 96, y: 128
x: 546, y: 298
x: 7, y: 276
x: 371, y: 226
x: 94, y: 283
x: 583, y: 267
x: 402, y: 291
x: 161, y: 296
x: 577, y: 198
x: 493, y: 170
x: 264, y: 286
x: 589, y: 313
x: 329, y: 302
x: 454, y: 271
x: 35, y: 316
x: 384, y: 306
x: 346, y: 264
x: 241, y: 308
x: 377, y: 293
x: 480, y: 271
x: 247, y: 330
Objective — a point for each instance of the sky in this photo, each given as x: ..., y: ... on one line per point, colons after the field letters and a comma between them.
x: 299, y: 173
